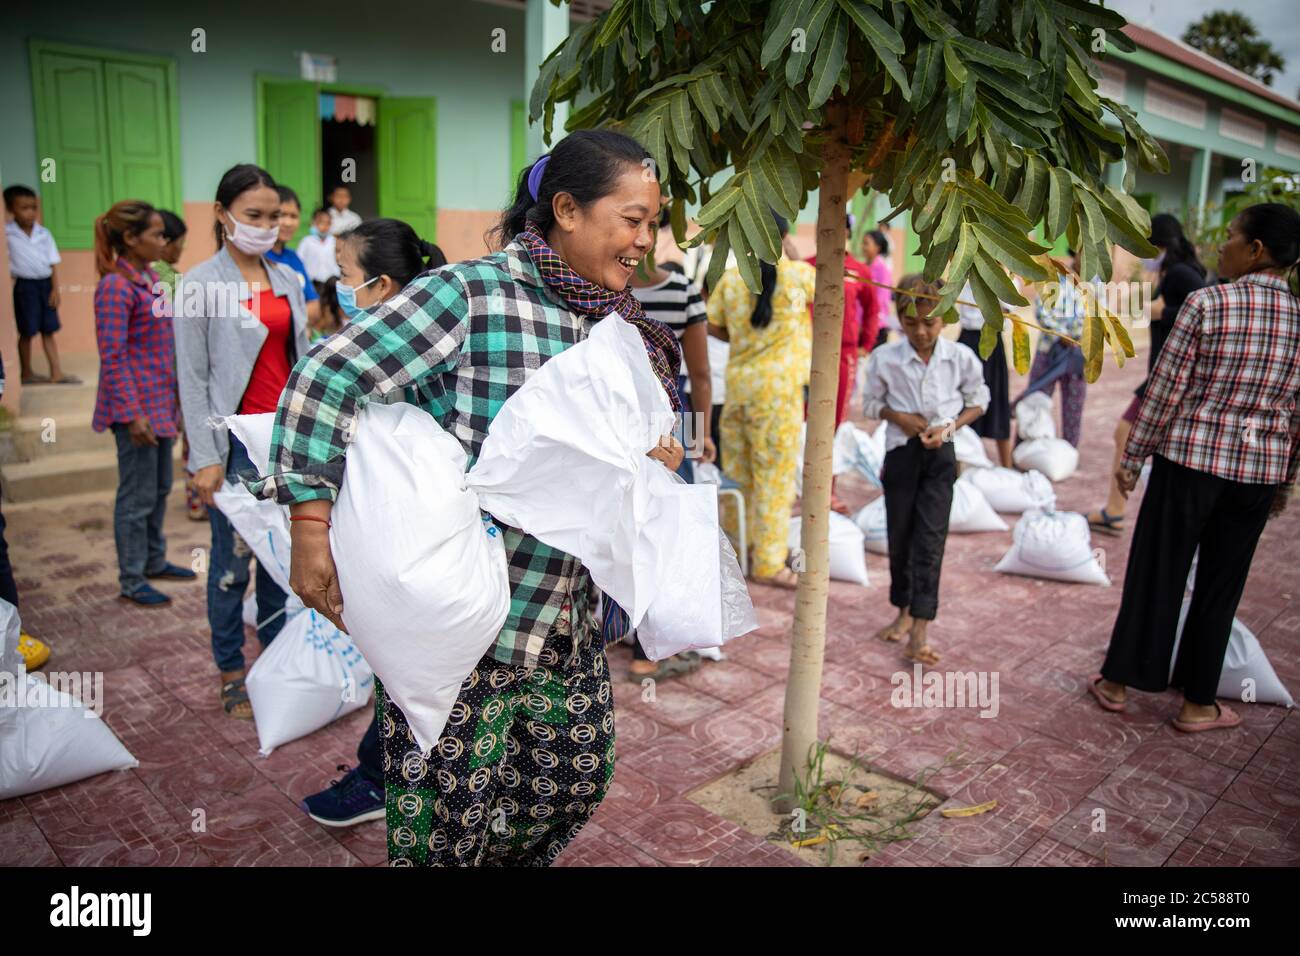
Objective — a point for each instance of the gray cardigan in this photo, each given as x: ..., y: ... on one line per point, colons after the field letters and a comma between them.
x: 217, y: 346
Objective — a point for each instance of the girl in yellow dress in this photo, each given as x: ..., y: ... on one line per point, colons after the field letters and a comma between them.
x: 771, y: 353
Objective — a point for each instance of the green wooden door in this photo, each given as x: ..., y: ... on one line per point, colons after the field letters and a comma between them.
x: 72, y: 132
x: 406, y: 142
x: 288, y: 142
x: 140, y: 133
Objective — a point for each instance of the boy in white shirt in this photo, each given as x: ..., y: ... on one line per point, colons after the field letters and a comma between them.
x: 924, y: 387
x: 317, y: 250
x: 33, y: 257
x: 342, y: 218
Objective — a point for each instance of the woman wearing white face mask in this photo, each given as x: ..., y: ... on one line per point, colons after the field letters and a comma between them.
x: 241, y: 324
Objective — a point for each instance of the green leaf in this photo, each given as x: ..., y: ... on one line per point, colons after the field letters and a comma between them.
x: 876, y: 30
x: 718, y: 259
x: 677, y: 219
x: 949, y: 219
x: 784, y: 16
x: 925, y: 76
x: 756, y: 219
x: 997, y: 57
x: 701, y: 93
x: 990, y: 308
x: 1033, y: 188
x: 963, y: 258
x: 746, y: 261
x: 720, y: 205
x: 954, y: 66
x: 830, y: 60
x: 683, y: 119
x: 921, y: 220
x: 797, y: 63
x: 1060, y: 199
x: 996, y: 279
x: 989, y: 337
x: 1010, y: 255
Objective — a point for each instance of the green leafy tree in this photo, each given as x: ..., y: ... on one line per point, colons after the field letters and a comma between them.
x: 980, y: 117
x: 1230, y: 36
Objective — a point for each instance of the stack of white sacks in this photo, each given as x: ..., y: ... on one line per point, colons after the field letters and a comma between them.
x: 48, y: 738
x: 423, y: 569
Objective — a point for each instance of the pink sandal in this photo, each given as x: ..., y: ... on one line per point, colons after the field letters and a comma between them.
x: 1114, y: 706
x: 1227, y: 718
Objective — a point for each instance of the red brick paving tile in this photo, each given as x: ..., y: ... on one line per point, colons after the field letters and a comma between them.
x: 368, y: 842
x: 738, y: 733
x: 112, y: 820
x: 848, y: 685
x: 1158, y: 800
x: 727, y: 680
x: 858, y: 734
x: 1061, y: 766
x: 769, y: 655
x: 264, y: 828
x: 678, y: 763
x: 630, y: 794
x: 1276, y: 762
x: 1191, y: 853
x: 678, y: 833
x: 1233, y: 748
x: 1289, y: 728
x: 21, y: 840
x: 634, y: 729
x: 151, y: 723
x: 1111, y: 737
x: 1259, y: 839
x: 955, y: 748
x: 756, y: 852
x: 1160, y: 759
x: 200, y: 782
x: 1028, y: 798
x: 1270, y: 799
x: 1126, y: 841
x: 676, y: 705
x: 306, y: 765
x: 594, y: 846
x: 1049, y: 852
x: 996, y: 838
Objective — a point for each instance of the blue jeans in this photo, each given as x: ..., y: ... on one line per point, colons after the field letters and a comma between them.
x: 144, y: 478
x: 228, y: 580
x: 687, y: 468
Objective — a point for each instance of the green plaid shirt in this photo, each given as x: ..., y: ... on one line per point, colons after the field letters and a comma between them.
x: 463, y: 338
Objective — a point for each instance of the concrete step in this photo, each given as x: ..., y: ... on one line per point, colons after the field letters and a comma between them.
x: 63, y: 403
x: 35, y: 438
x: 71, y: 473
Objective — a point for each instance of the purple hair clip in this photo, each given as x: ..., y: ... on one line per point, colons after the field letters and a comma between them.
x: 535, y: 175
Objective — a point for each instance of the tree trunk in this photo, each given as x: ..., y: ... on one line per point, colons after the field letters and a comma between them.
x: 807, y: 647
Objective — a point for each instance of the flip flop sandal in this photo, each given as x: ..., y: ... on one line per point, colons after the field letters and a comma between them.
x: 36, y: 380
x: 1227, y: 719
x: 232, y: 695
x: 67, y: 380
x: 1109, y: 524
x: 924, y: 656
x: 1114, y: 706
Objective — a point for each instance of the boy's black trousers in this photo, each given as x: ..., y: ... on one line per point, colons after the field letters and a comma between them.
x: 918, y: 498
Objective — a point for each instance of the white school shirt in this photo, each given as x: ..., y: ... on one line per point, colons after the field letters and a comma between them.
x: 937, y: 390
x: 30, y: 257
x: 317, y: 255
x: 341, y: 222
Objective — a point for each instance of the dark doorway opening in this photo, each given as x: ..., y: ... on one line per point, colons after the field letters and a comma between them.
x: 345, y: 140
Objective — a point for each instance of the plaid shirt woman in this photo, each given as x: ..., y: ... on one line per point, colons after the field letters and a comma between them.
x: 528, y: 752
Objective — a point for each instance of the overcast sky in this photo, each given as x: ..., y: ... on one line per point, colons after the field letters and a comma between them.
x: 1275, y: 20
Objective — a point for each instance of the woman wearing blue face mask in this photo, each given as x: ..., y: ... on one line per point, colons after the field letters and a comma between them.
x: 377, y: 259
x: 240, y: 325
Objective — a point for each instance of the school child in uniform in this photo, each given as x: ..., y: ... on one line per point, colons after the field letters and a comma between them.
x: 924, y: 387
x: 33, y: 258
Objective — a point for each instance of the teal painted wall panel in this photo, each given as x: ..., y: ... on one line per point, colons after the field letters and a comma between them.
x: 440, y: 49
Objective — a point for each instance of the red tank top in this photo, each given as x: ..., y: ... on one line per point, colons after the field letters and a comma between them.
x: 271, y: 370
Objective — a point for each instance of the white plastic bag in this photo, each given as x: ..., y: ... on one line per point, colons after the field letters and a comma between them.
x: 1244, y: 660
x: 311, y: 675
x: 423, y: 572
x: 47, y: 738
x: 1034, y: 417
x: 971, y: 512
x: 970, y: 448
x: 1055, y: 545
x: 855, y: 450
x: 870, y: 520
x: 1054, y: 457
x: 1010, y: 491
x: 847, y: 562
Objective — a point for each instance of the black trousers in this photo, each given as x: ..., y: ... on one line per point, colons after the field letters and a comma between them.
x: 918, y: 498
x: 8, y: 589
x: 1184, y: 509
x: 370, y: 754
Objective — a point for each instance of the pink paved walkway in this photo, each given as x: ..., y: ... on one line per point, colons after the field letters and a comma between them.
x: 1051, y: 758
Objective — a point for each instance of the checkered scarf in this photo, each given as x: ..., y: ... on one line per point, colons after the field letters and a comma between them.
x: 587, y: 298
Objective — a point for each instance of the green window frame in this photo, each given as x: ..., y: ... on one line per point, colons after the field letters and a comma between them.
x: 103, y: 151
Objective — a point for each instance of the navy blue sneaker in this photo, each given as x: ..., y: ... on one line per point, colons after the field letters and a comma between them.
x: 147, y: 596
x: 173, y: 572
x: 346, y: 802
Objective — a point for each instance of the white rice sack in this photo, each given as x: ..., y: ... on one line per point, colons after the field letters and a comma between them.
x: 1034, y: 417
x: 1247, y: 675
x: 422, y: 570
x: 1054, y: 457
x: 970, y: 448
x: 48, y: 738
x: 871, y: 522
x: 855, y: 450
x: 311, y: 675
x: 971, y: 511
x: 847, y: 562
x: 1010, y: 491
x: 1054, y: 545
